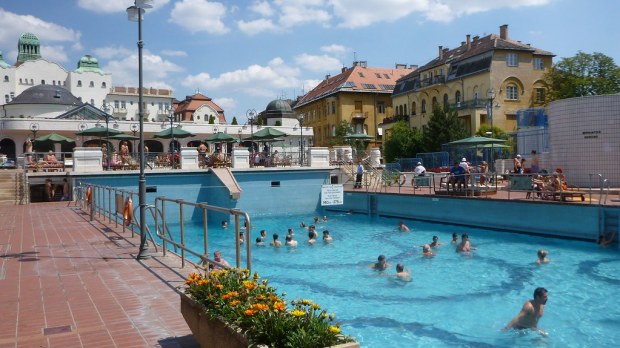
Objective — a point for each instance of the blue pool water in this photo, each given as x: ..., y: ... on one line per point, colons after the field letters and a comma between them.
x: 453, y: 300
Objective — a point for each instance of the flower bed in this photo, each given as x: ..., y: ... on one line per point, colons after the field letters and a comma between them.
x: 234, y: 307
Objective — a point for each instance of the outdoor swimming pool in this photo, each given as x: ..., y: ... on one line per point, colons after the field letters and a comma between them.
x: 454, y: 300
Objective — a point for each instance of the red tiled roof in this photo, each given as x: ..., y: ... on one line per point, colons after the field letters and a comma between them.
x: 192, y: 103
x: 356, y: 79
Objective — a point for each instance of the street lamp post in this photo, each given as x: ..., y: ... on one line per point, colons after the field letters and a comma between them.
x: 172, y: 142
x: 81, y: 127
x: 490, y: 97
x: 134, y: 130
x: 106, y: 110
x: 34, y: 128
x: 301, y: 140
x: 135, y: 12
x: 251, y: 116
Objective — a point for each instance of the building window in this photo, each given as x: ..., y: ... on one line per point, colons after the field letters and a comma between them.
x: 413, y: 108
x: 423, y: 105
x: 79, y: 83
x: 457, y: 97
x: 12, y: 94
x: 6, y: 98
x: 123, y: 105
x: 42, y: 82
x: 103, y: 85
x: 6, y: 78
x: 445, y: 101
x: 381, y: 107
x: 512, y: 92
x: 539, y: 64
x: 92, y: 102
x: 540, y: 95
x: 333, y: 107
x: 512, y: 59
x: 405, y: 113
x: 434, y: 101
x: 91, y: 84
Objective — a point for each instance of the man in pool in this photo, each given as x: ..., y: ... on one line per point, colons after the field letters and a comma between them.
x: 542, y: 257
x: 290, y: 241
x: 381, y: 264
x: 435, y: 242
x: 402, y: 274
x: 276, y: 242
x: 326, y: 237
x: 455, y: 238
x: 464, y: 246
x: 531, y: 312
x: 402, y: 227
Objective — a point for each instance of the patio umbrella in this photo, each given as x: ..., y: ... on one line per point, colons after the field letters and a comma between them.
x: 124, y: 136
x: 220, y: 137
x: 359, y: 136
x: 99, y: 132
x: 54, y: 137
x: 477, y: 140
x: 174, y: 132
x: 267, y: 133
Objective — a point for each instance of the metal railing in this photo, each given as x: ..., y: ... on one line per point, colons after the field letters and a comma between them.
x: 111, y: 204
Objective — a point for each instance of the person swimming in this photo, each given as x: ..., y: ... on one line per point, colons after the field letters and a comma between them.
x: 402, y: 274
x: 381, y: 264
x: 326, y: 237
x: 542, y: 257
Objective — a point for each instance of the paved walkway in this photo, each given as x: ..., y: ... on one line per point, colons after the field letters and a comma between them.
x: 67, y: 282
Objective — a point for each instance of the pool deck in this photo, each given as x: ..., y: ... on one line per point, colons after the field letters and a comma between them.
x: 68, y: 282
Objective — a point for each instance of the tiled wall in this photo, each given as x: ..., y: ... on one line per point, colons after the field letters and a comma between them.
x: 584, y: 137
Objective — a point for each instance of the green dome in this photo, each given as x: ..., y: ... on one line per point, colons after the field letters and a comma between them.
x: 28, y: 39
x: 28, y: 48
x: 88, y: 63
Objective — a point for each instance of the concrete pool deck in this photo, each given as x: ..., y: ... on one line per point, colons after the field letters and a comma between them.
x: 68, y: 282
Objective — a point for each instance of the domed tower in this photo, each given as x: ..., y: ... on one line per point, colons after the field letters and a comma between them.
x: 279, y: 110
x: 88, y: 63
x: 28, y: 48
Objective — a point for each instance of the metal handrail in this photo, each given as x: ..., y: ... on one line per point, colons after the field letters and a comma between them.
x: 109, y: 203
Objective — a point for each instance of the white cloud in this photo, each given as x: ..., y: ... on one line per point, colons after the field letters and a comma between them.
x: 155, y: 70
x: 112, y: 6
x: 199, y: 16
x: 54, y: 54
x: 112, y: 52
x: 263, y: 8
x: 13, y: 25
x: 334, y: 49
x: 256, y: 26
x: 226, y: 104
x: 174, y: 53
x: 323, y: 63
x: 256, y: 80
x: 293, y: 13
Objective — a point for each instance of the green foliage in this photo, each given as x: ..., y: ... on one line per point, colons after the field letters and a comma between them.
x: 442, y: 127
x: 342, y: 129
x: 211, y: 119
x: 404, y: 142
x: 498, y: 133
x: 278, y: 123
x: 582, y: 75
x: 234, y: 121
x: 252, y: 305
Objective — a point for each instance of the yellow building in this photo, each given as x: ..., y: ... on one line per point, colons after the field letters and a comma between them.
x: 359, y: 95
x: 485, y: 79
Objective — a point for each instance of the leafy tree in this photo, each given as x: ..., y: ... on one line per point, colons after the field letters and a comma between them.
x: 342, y: 129
x: 582, y: 75
x: 404, y: 142
x: 234, y: 121
x: 442, y: 127
x: 278, y: 123
x: 211, y: 119
x: 497, y: 133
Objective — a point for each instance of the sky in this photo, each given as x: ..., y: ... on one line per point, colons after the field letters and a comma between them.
x: 245, y: 53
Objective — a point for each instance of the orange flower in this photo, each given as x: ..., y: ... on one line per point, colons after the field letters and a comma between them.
x: 229, y: 295
x: 250, y: 285
x: 203, y: 282
x: 219, y: 286
x: 249, y: 312
x: 279, y: 306
x: 234, y: 303
x: 260, y: 307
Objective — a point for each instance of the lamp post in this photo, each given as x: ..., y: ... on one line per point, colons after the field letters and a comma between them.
x: 301, y: 140
x: 34, y: 128
x: 81, y: 127
x: 106, y: 110
x: 490, y: 98
x: 135, y: 12
x: 134, y: 130
x: 251, y: 116
x: 173, y: 154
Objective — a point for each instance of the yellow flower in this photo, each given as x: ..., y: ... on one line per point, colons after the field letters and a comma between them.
x: 234, y: 303
x: 249, y: 312
x: 250, y: 285
x: 192, y: 278
x: 298, y: 313
x: 219, y: 286
x: 323, y: 315
x: 306, y: 302
x: 279, y: 306
x: 334, y: 329
x: 315, y: 306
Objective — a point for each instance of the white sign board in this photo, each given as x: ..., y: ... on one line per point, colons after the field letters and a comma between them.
x: 332, y: 195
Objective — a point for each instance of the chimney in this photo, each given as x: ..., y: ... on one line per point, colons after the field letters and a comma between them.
x: 468, y: 41
x: 503, y: 32
x: 344, y: 69
x: 462, y: 43
x: 327, y: 77
x: 440, y: 52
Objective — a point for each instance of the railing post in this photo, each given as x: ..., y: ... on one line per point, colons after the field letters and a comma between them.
x: 182, y: 229
x: 205, y: 230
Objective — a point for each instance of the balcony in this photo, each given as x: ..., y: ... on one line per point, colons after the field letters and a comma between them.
x: 359, y: 115
x: 394, y: 119
x: 120, y: 111
x: 435, y: 80
x: 469, y: 104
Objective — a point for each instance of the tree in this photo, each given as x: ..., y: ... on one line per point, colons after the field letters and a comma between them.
x: 211, y: 119
x: 278, y: 123
x: 582, y: 75
x: 234, y: 121
x: 343, y: 128
x: 442, y: 127
x: 403, y: 142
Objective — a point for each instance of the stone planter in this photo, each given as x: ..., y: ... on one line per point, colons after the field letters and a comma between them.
x: 215, y: 333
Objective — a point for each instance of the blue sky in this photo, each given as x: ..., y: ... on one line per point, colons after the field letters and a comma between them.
x: 244, y: 54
